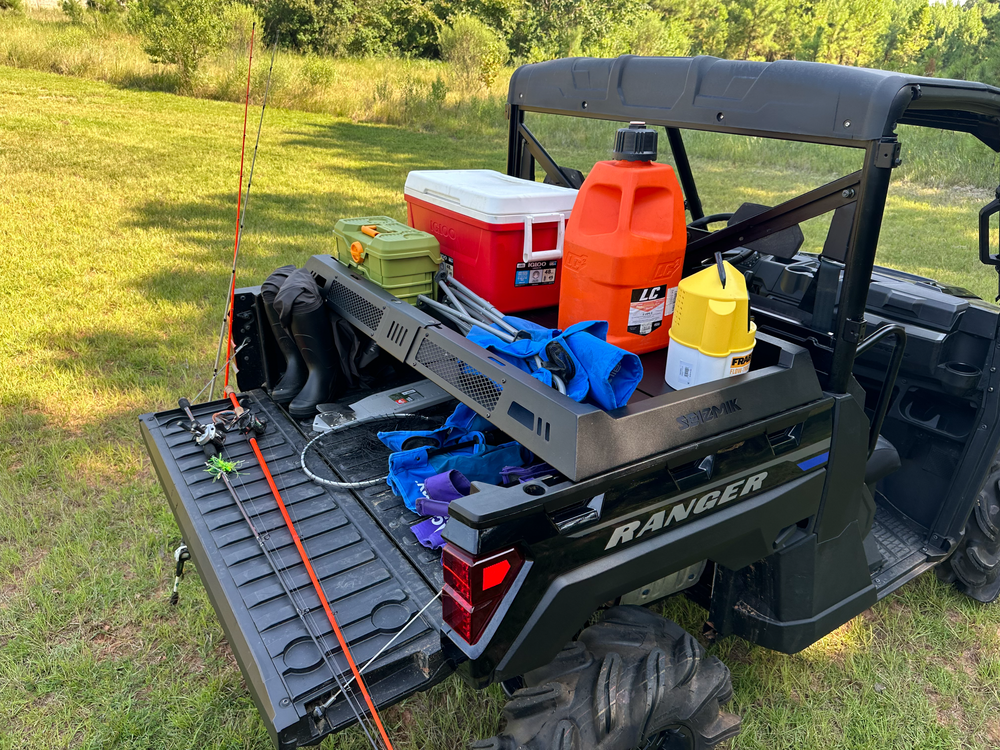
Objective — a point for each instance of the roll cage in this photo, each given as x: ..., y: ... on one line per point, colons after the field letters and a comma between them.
x: 789, y: 100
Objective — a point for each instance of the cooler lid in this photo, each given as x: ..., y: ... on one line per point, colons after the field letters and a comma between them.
x: 488, y: 195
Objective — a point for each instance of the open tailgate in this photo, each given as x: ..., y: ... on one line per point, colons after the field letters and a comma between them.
x: 374, y: 588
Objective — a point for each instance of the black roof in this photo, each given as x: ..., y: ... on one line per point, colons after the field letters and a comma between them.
x: 784, y: 99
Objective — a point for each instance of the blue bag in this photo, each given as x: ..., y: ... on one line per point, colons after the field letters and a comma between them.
x: 479, y: 463
x: 461, y: 427
x: 605, y: 375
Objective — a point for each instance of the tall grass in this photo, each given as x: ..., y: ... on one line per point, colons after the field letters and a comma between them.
x: 428, y: 95
x: 417, y: 94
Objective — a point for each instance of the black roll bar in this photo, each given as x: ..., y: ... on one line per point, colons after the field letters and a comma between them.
x: 888, y: 383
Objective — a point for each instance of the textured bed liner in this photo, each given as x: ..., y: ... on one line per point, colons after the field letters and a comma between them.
x: 373, y: 585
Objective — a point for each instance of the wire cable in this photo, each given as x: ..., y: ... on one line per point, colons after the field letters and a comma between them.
x: 350, y: 425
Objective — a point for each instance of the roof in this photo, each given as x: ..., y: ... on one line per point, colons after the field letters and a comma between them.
x: 783, y: 99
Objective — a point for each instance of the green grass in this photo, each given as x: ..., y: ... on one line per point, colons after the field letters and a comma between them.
x: 116, y: 219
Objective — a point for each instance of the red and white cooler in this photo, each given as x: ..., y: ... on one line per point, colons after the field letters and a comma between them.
x: 501, y: 236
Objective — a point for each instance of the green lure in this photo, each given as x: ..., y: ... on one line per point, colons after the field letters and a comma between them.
x: 217, y: 466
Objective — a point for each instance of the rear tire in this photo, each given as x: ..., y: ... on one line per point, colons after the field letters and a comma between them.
x: 974, y: 568
x: 632, y: 680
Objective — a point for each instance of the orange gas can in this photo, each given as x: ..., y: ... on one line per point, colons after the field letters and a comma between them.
x: 624, y: 245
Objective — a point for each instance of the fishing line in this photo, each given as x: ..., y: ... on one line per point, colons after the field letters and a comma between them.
x: 245, y: 417
x: 388, y: 423
x: 347, y: 688
x: 331, y: 661
x: 239, y: 197
x: 241, y: 218
x: 317, y: 585
x: 214, y: 447
x: 298, y: 604
x: 382, y: 650
x: 246, y: 202
x: 228, y: 317
x: 303, y: 610
x: 211, y: 380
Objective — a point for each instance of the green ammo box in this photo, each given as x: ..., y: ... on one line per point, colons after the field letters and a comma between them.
x: 400, y: 259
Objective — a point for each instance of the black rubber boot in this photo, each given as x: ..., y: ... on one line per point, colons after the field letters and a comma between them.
x: 296, y: 373
x: 314, y: 338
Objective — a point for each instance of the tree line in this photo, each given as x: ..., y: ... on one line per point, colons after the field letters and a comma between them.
x: 952, y: 39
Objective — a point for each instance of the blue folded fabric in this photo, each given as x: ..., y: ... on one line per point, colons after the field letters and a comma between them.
x: 461, y: 427
x: 479, y: 463
x: 605, y: 375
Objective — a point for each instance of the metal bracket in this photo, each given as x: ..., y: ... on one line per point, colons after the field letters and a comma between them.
x: 887, y: 154
x: 854, y: 331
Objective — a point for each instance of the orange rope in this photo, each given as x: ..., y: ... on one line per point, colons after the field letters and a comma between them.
x: 316, y: 583
x: 239, y: 201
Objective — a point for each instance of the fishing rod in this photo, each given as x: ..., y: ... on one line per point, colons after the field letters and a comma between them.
x: 312, y: 576
x: 238, y: 411
x: 239, y: 197
x: 212, y: 441
x: 246, y: 202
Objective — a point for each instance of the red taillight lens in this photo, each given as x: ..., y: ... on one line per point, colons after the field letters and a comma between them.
x: 473, y: 588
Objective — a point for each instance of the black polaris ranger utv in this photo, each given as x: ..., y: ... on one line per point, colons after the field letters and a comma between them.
x: 858, y: 452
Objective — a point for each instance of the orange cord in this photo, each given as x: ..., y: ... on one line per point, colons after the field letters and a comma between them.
x: 239, y: 202
x: 316, y: 584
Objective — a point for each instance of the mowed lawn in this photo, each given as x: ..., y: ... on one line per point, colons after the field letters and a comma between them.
x: 117, y: 210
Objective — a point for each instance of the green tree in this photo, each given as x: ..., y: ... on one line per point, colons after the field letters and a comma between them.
x: 704, y: 22
x: 958, y: 40
x: 179, y: 32
x: 647, y: 33
x: 752, y: 30
x: 852, y: 30
x: 910, y: 32
x: 476, y: 51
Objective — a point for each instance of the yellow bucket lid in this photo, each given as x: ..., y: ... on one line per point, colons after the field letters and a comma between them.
x: 711, y: 318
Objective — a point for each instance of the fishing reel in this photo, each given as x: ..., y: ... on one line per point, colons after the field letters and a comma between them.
x: 248, y: 422
x: 210, y: 438
x: 245, y: 422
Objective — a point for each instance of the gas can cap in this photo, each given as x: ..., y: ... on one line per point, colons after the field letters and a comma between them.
x: 635, y: 143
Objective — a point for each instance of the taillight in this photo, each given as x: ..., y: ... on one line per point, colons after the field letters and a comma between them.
x: 474, y: 587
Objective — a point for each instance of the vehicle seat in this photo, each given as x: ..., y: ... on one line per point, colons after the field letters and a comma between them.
x: 883, y: 461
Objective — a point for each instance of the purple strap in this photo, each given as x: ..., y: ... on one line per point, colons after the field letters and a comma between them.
x: 428, y: 531
x: 439, y: 490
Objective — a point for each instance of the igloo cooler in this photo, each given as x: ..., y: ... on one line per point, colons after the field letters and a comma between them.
x: 501, y: 236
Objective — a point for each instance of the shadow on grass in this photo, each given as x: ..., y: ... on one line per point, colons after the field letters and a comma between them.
x: 367, y: 164
x: 277, y: 227
x: 361, y: 170
x: 165, y: 81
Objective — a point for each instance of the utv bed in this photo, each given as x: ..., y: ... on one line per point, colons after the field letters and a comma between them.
x: 785, y: 501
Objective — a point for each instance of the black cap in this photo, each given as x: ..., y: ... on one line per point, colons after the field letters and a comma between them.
x: 635, y: 143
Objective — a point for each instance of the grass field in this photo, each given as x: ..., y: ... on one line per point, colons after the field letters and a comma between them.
x: 116, y: 219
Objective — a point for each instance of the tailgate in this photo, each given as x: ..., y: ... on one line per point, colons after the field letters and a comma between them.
x: 374, y: 589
